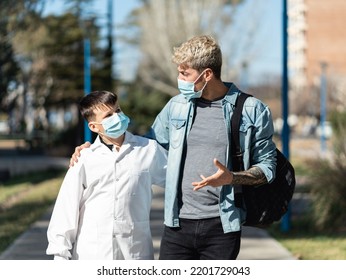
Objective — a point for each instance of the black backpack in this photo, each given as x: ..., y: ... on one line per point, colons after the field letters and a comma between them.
x: 265, y: 203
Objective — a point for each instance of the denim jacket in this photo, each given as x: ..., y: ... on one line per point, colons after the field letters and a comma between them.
x: 171, y: 128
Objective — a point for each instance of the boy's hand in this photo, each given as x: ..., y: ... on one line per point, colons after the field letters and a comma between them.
x: 76, y: 154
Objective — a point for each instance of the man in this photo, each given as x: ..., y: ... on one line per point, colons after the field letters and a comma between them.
x: 201, y: 218
x: 103, y: 207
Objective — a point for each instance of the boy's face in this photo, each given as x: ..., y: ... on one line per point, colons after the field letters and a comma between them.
x: 101, y: 113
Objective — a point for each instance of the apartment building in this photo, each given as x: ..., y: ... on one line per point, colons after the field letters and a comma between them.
x: 317, y: 36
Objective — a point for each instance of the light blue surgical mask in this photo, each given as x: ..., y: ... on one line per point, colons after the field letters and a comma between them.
x: 188, y: 88
x: 115, y: 125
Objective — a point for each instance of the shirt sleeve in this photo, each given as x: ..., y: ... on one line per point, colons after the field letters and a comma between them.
x: 159, y: 131
x: 63, y: 226
x: 159, y: 166
x: 263, y: 149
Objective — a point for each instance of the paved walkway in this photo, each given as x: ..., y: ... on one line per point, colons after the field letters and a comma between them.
x: 256, y: 243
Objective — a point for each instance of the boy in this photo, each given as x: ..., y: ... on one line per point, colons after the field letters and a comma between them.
x: 103, y: 207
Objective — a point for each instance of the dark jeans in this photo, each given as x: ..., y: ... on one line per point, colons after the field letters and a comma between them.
x: 199, y: 240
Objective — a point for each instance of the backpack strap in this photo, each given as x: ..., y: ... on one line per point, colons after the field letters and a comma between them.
x: 236, y: 152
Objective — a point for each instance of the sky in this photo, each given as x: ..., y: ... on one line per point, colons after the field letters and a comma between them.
x: 265, y: 47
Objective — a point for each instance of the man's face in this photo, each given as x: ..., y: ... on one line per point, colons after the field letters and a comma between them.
x: 190, y: 75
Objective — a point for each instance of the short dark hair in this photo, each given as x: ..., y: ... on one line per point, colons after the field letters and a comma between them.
x: 94, y: 100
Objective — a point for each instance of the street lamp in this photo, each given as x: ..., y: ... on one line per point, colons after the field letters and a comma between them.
x: 285, y: 134
x: 87, y: 83
x: 323, y: 106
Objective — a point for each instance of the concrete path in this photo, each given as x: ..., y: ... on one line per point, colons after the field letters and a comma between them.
x: 256, y: 243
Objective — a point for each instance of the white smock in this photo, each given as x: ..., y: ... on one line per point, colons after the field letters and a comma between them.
x: 102, y: 211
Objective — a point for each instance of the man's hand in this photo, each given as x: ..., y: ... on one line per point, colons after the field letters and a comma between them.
x: 222, y: 177
x: 76, y: 154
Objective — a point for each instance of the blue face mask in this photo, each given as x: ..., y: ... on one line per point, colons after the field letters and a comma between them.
x: 115, y: 125
x: 188, y: 88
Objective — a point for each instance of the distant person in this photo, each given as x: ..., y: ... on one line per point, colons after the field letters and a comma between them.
x: 203, y: 219
x: 103, y: 207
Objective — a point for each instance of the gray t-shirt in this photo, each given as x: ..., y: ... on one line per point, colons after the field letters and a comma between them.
x: 207, y: 140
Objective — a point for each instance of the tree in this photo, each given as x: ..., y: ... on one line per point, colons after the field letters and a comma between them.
x: 158, y: 25
x: 14, y: 18
x: 52, y: 54
x: 8, y: 65
x: 49, y: 53
x: 102, y: 75
x: 164, y: 24
x: 42, y: 64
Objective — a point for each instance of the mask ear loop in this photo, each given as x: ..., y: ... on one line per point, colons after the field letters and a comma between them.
x: 204, y: 86
x: 199, y: 76
x: 201, y: 90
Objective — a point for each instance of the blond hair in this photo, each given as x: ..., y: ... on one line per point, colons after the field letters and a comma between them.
x: 199, y: 52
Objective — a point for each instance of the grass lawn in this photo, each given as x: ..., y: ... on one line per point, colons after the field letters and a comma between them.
x: 307, y: 245
x: 23, y: 200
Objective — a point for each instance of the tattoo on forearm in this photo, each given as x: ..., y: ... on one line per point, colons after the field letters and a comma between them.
x: 252, y: 177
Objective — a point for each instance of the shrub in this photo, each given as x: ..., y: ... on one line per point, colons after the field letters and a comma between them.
x: 328, y: 187
x: 328, y: 191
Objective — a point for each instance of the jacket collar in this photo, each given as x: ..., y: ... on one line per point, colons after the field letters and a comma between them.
x: 128, y: 141
x: 232, y: 94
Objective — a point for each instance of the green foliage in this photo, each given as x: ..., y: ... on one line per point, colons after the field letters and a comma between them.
x: 307, y: 244
x: 328, y: 187
x: 64, y: 54
x: 63, y: 142
x: 8, y: 65
x: 13, y: 15
x: 28, y: 197
x: 142, y: 105
x: 328, y: 192
x: 338, y: 121
x: 48, y: 65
